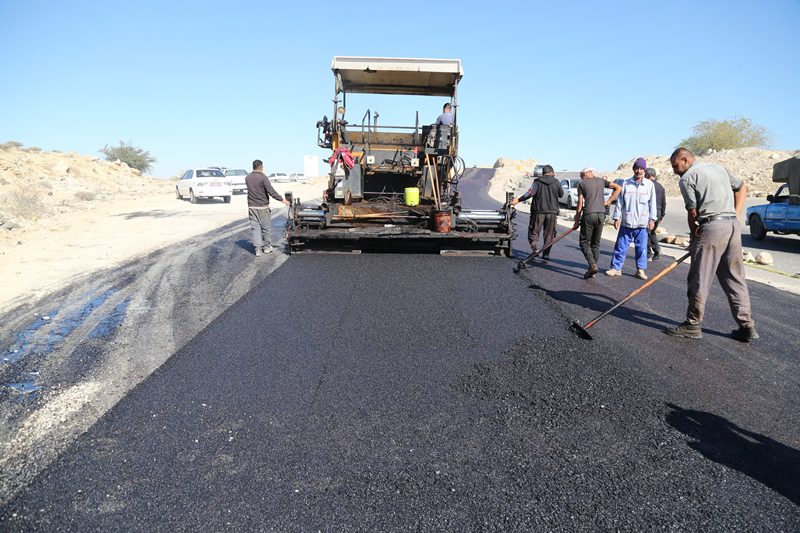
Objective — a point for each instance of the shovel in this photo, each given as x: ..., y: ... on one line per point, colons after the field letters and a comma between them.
x: 526, y: 262
x: 583, y: 331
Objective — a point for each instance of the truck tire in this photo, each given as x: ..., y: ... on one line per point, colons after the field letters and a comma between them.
x: 757, y: 229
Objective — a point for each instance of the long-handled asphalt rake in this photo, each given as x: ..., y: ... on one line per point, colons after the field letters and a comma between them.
x: 583, y: 331
x: 525, y: 263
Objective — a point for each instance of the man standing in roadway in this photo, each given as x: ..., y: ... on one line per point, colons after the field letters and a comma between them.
x: 634, y: 217
x: 590, y: 215
x: 259, y: 189
x: 653, y: 249
x: 545, y: 192
x: 714, y: 199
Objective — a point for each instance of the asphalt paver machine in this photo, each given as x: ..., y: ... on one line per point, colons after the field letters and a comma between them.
x: 395, y: 187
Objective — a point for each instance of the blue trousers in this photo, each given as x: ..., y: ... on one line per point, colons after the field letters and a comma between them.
x: 640, y: 237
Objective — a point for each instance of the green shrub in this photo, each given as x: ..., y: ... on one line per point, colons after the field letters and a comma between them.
x: 32, y: 149
x: 725, y: 135
x: 130, y: 155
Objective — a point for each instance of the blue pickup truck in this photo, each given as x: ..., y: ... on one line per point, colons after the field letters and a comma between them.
x: 782, y: 214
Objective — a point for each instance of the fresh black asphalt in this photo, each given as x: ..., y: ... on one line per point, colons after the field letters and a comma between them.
x: 386, y: 392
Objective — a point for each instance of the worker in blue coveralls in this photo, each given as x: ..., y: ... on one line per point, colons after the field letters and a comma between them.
x: 634, y: 217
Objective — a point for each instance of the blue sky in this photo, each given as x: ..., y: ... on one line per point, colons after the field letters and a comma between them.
x: 222, y: 83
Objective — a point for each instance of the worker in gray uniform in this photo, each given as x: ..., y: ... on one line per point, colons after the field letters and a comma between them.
x: 714, y: 199
x: 259, y: 190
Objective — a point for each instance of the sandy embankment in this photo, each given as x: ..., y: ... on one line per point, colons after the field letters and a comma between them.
x: 43, y: 259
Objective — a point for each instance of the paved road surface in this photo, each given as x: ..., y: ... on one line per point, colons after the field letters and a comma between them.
x: 444, y: 393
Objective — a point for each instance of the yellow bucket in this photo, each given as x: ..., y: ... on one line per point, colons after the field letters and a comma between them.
x: 412, y: 196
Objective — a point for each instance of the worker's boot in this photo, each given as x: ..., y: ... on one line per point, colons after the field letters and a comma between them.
x: 591, y: 272
x: 268, y: 249
x: 258, y: 251
x: 745, y: 334
x: 686, y: 330
x: 640, y: 274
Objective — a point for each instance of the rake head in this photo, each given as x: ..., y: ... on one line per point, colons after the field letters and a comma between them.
x: 520, y: 266
x: 578, y: 329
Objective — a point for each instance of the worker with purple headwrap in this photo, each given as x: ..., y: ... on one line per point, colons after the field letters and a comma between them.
x: 634, y: 217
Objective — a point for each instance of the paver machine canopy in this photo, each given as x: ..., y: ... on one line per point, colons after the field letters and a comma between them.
x: 388, y: 75
x: 395, y: 187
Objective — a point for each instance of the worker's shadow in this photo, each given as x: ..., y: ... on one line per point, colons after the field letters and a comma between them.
x: 557, y: 265
x: 601, y: 303
x: 246, y: 245
x: 554, y: 264
x: 767, y: 461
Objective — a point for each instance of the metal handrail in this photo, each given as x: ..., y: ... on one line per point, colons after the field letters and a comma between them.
x: 368, y: 116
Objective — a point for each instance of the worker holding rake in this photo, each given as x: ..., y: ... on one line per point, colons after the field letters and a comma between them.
x: 545, y: 193
x: 714, y: 199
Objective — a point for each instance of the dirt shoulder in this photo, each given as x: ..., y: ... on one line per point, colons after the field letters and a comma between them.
x: 45, y: 257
